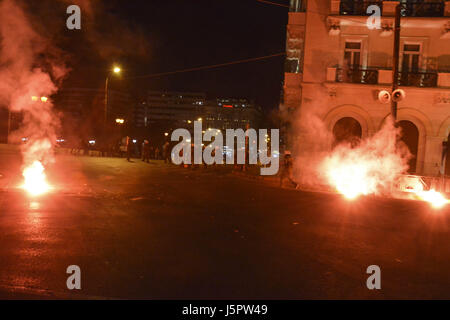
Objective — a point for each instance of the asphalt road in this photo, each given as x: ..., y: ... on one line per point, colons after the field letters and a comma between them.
x: 155, y: 231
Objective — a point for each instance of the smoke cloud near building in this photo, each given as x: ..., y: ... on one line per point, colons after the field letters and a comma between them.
x: 368, y: 165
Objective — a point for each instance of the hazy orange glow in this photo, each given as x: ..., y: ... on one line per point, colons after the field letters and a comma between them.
x: 354, y: 180
x: 35, y: 179
x: 350, y: 180
x: 436, y: 199
x: 367, y: 167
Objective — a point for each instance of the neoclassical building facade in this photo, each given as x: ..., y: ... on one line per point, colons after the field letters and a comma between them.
x: 336, y: 67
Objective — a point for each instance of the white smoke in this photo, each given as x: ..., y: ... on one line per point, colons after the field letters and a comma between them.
x: 29, y: 70
x: 371, y: 167
x: 373, y: 164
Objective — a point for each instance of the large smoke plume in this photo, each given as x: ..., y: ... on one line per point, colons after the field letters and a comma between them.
x: 372, y: 165
x: 30, y: 69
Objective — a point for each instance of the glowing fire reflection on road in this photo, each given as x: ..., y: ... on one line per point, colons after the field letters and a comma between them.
x: 35, y: 179
x: 353, y: 182
x: 436, y: 199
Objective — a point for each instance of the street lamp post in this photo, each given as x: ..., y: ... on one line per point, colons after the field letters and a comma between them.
x: 116, y: 70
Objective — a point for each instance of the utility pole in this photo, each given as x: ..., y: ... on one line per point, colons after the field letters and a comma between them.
x: 396, y: 56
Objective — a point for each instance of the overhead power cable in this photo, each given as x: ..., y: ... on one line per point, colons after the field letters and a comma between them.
x: 154, y: 75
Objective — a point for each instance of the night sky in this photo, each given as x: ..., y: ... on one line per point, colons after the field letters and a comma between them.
x: 156, y: 36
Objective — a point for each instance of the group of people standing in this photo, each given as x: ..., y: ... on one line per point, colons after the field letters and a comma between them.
x: 148, y: 151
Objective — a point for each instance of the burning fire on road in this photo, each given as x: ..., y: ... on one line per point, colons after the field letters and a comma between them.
x: 376, y: 166
x: 35, y: 179
x: 436, y: 199
x: 31, y: 68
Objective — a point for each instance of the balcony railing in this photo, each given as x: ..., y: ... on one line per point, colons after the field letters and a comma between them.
x: 424, y: 9
x: 383, y: 76
x: 410, y: 8
x: 358, y: 7
x: 418, y: 79
x: 364, y: 76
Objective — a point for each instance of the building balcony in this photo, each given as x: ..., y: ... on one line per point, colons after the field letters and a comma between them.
x: 375, y: 76
x: 436, y: 8
x: 357, y: 7
x: 424, y: 9
x: 363, y: 76
x: 418, y: 79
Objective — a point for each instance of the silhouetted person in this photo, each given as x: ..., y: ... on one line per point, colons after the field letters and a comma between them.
x: 129, y: 148
x: 286, y: 169
x: 146, y: 151
x: 166, y: 152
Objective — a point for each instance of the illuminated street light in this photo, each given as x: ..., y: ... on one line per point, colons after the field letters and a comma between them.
x: 115, y: 70
x: 199, y: 119
x: 120, y: 121
x: 166, y: 134
x: 36, y: 98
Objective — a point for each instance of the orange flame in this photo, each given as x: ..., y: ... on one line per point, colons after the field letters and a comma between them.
x: 376, y: 166
x: 350, y: 180
x: 368, y: 168
x: 436, y: 199
x: 35, y: 179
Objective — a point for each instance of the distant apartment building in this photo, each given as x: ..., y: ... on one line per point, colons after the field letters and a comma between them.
x: 336, y: 66
x: 232, y: 113
x: 170, y: 110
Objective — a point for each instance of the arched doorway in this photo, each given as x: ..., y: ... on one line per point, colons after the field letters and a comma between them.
x: 410, y: 136
x: 347, y: 130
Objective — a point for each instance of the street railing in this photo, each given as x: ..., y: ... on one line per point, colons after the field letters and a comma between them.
x: 441, y: 184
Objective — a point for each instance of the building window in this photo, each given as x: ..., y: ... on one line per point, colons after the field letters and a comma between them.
x: 297, y: 6
x: 292, y: 66
x: 352, y: 54
x: 411, y: 57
